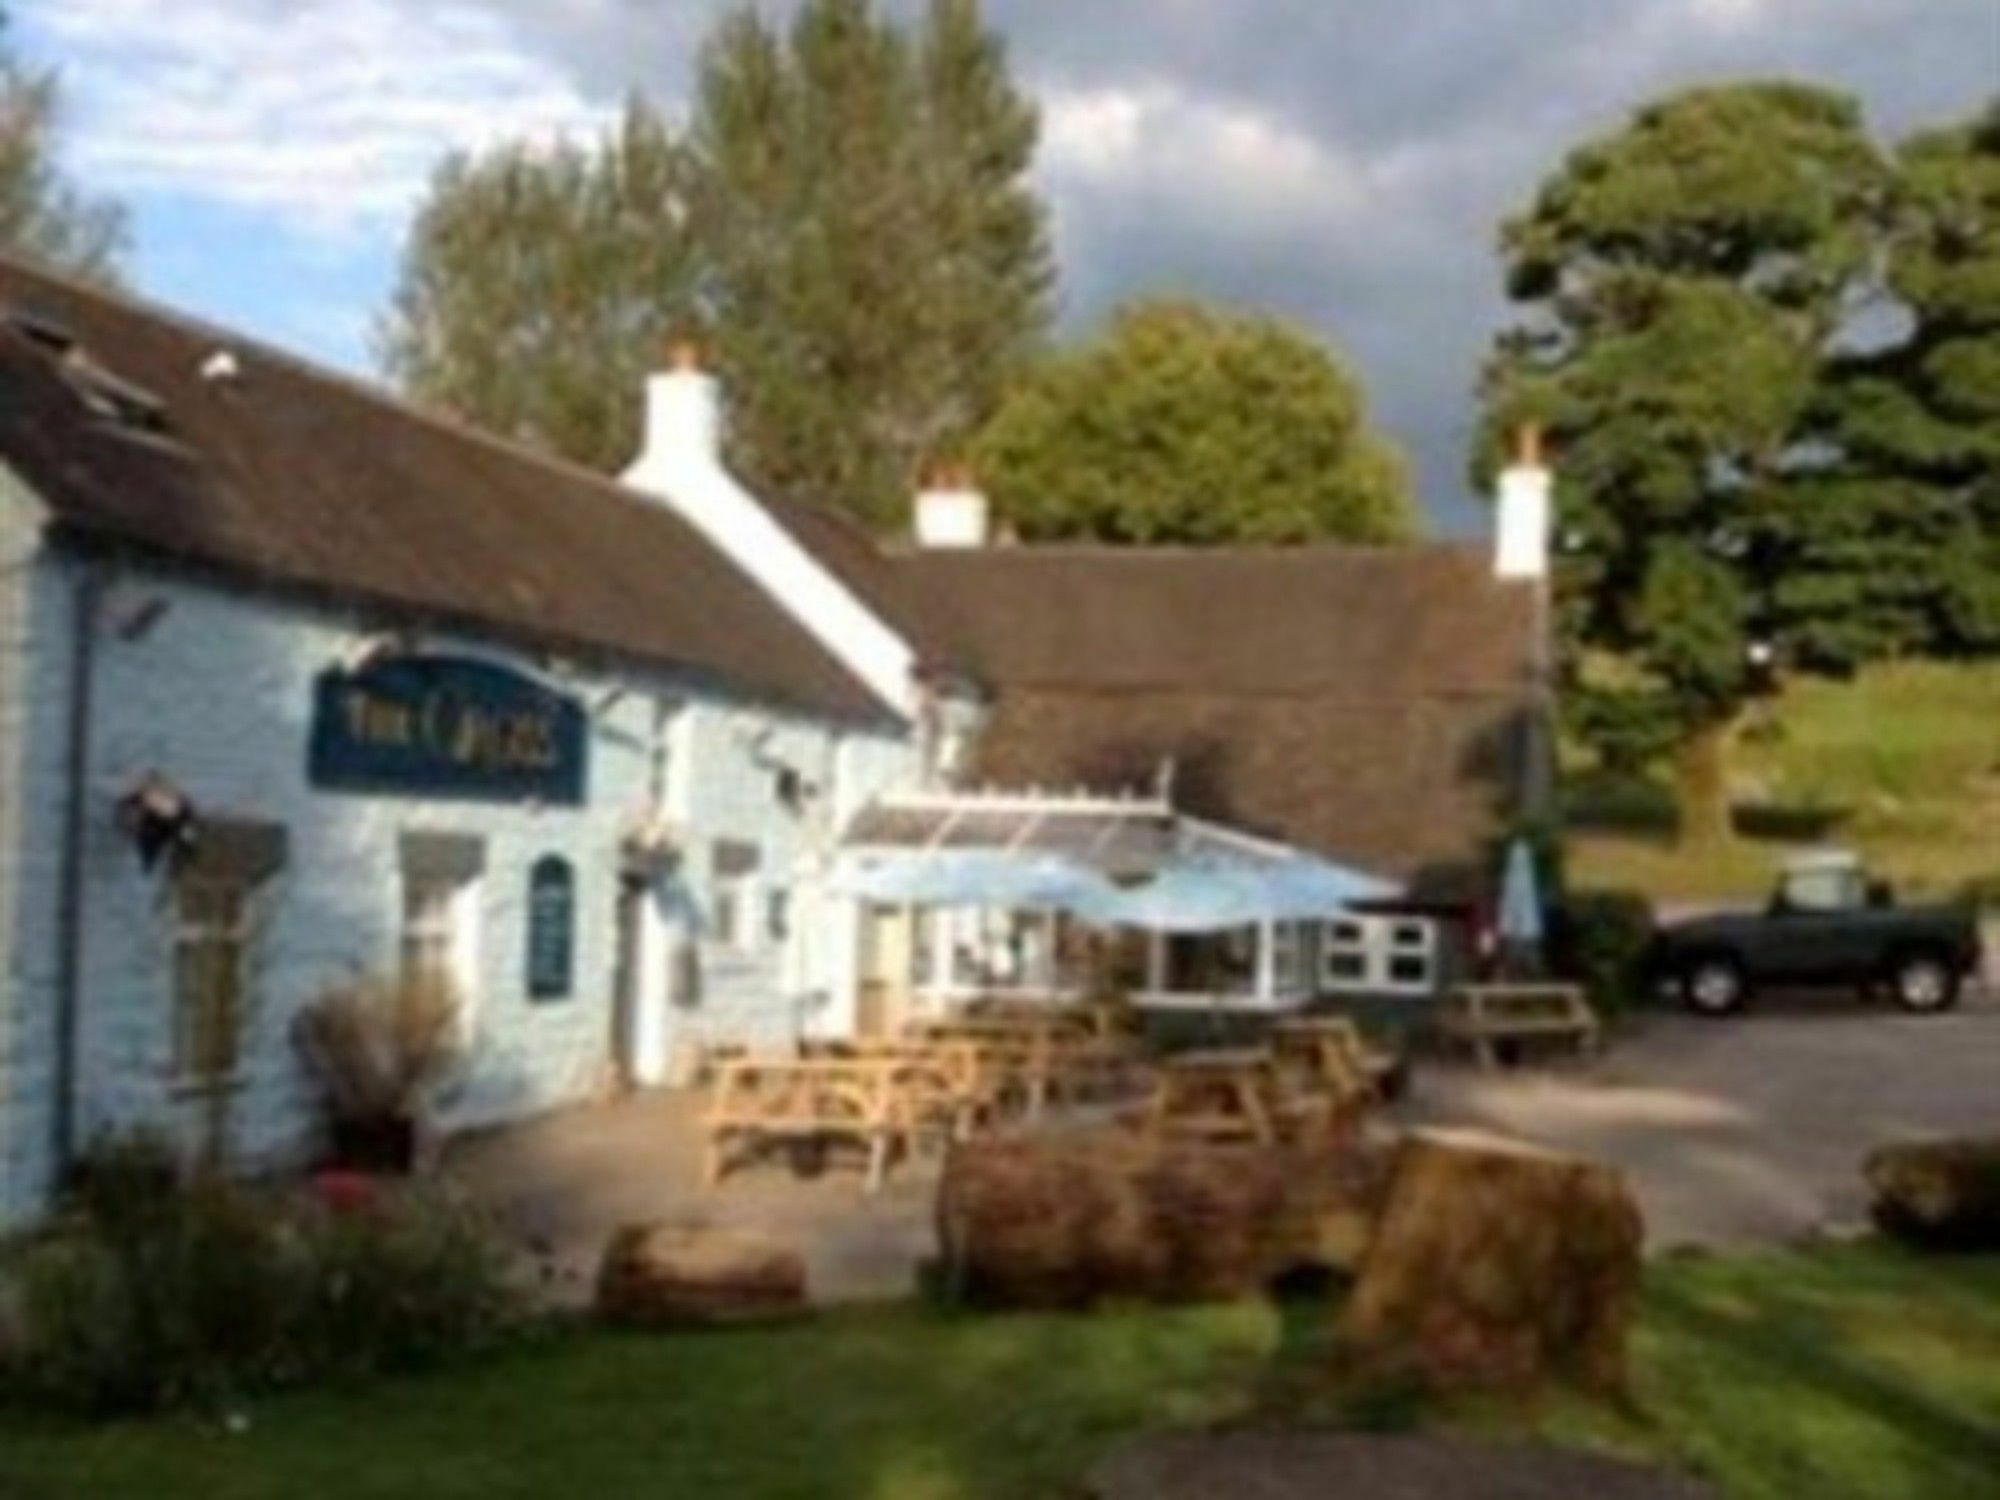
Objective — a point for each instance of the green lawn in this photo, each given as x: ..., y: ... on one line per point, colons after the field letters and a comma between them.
x: 1903, y: 763
x: 1855, y: 1372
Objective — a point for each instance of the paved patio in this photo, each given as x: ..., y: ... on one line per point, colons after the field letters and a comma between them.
x: 1734, y: 1132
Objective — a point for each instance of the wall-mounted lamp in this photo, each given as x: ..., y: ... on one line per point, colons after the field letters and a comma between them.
x: 160, y: 820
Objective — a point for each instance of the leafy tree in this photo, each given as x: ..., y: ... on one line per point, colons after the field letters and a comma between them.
x: 539, y: 285
x: 1903, y: 526
x: 1685, y: 283
x: 42, y: 215
x: 847, y: 218
x: 880, y: 265
x: 1182, y: 424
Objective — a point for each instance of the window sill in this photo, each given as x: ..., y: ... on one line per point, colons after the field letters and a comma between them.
x: 182, y: 1087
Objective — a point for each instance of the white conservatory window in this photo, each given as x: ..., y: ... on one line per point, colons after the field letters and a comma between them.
x: 1393, y: 955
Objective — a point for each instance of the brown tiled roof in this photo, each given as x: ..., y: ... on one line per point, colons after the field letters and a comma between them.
x: 298, y: 478
x: 1352, y: 623
x: 1368, y: 703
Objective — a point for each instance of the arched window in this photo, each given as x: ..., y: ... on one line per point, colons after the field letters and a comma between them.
x: 551, y: 929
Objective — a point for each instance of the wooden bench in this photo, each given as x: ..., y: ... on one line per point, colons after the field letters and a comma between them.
x: 1481, y: 1016
x: 881, y: 1103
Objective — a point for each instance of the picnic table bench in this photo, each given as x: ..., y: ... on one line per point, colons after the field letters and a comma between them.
x: 1335, y: 1050
x: 1030, y: 1062
x: 881, y: 1103
x: 1238, y: 1094
x: 1482, y: 1016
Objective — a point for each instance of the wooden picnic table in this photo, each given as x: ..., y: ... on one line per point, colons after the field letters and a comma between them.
x: 1334, y: 1048
x: 1216, y: 1094
x: 1034, y: 1061
x: 1481, y: 1016
x: 880, y: 1102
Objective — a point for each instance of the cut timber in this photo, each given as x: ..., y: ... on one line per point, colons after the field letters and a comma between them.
x: 1495, y: 1265
x: 1064, y: 1221
x: 1939, y: 1195
x: 662, y: 1276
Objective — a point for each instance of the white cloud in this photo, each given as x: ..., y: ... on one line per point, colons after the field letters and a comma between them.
x: 1208, y: 156
x: 327, y: 113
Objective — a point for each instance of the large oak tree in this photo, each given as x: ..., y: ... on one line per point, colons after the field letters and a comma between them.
x: 1685, y: 284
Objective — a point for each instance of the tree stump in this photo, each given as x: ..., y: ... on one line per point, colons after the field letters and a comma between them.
x: 667, y: 1276
x: 1496, y: 1266
x: 1065, y: 1221
x: 1938, y: 1195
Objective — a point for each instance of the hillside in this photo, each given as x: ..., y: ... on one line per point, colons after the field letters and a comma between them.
x: 1902, y: 763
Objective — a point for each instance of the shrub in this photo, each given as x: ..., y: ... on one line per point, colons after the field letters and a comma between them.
x: 169, y: 1294
x: 1601, y: 940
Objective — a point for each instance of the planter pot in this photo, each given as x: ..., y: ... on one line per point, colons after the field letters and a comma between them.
x: 385, y: 1144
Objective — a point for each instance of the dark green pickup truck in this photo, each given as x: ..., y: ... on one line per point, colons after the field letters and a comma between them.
x: 1827, y: 925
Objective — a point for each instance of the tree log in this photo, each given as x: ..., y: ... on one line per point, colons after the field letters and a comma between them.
x: 1496, y: 1266
x: 664, y: 1276
x: 1065, y: 1221
x: 1938, y: 1195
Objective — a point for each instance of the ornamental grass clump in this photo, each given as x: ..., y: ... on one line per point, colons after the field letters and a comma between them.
x: 382, y: 1051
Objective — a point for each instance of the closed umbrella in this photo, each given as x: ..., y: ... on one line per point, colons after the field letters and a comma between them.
x: 1521, y: 921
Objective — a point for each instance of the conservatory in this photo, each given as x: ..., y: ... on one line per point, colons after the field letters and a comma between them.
x: 975, y: 895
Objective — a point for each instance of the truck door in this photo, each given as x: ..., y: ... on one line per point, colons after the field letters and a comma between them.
x: 1812, y: 924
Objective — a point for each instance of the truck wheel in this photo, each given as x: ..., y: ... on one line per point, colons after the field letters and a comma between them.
x: 1923, y: 983
x: 1713, y: 986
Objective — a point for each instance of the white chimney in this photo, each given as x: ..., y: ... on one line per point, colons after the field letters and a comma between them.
x: 680, y: 465
x: 950, y: 512
x: 683, y: 412
x: 1521, y: 527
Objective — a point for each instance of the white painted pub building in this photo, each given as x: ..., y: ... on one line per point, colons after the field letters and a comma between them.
x: 298, y: 684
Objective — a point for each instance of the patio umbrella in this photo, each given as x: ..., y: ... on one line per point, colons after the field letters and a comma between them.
x: 1520, y: 921
x: 963, y: 877
x: 1197, y: 894
x: 1183, y: 897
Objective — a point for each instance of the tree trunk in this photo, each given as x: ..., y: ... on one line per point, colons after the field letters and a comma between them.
x: 1701, y: 776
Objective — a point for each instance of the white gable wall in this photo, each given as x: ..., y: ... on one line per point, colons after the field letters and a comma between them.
x: 681, y: 467
x: 216, y: 696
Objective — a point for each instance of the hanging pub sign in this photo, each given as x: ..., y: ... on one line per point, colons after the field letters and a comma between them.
x: 446, y: 726
x: 551, y: 928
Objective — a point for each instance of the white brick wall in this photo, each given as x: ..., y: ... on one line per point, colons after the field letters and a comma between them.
x: 216, y: 696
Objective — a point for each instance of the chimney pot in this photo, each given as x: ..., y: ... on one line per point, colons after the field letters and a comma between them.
x: 683, y: 411
x: 950, y: 510
x: 1524, y: 510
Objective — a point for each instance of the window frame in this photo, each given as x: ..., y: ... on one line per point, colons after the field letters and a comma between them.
x: 232, y: 933
x: 1378, y: 944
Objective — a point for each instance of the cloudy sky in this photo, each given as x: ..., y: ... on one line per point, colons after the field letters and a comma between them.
x: 1343, y: 162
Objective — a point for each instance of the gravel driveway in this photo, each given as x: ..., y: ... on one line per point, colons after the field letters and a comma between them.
x: 1751, y: 1128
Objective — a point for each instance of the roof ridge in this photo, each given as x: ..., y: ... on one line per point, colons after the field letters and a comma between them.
x: 1426, y: 548
x: 328, y: 374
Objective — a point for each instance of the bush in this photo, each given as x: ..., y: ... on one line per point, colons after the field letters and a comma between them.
x: 1601, y: 939
x: 149, y: 1293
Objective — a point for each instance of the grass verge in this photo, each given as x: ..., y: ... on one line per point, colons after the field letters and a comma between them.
x: 1857, y: 1371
